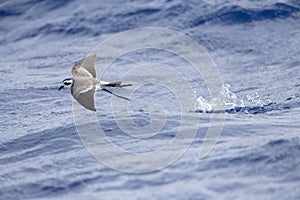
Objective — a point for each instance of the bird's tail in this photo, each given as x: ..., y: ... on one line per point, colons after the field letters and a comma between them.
x: 115, y: 84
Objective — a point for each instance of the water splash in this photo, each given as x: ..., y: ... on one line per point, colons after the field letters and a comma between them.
x: 202, y: 105
x: 230, y: 98
x: 252, y: 103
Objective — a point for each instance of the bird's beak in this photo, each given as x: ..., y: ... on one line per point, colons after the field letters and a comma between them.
x: 61, y: 87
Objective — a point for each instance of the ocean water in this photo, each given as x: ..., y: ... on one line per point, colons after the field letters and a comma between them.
x: 255, y: 45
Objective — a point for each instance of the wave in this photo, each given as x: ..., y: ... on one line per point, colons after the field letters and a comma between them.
x: 237, y: 14
x: 37, y: 17
x: 17, y: 8
x: 39, y: 143
x: 275, y: 151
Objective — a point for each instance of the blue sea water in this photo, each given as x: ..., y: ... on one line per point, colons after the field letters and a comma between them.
x: 256, y: 46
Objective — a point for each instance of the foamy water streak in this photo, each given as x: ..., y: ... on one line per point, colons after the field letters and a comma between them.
x: 233, y: 103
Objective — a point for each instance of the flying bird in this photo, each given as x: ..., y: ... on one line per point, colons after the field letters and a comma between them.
x: 84, y: 83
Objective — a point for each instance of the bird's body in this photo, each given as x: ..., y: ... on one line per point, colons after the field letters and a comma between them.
x: 84, y: 83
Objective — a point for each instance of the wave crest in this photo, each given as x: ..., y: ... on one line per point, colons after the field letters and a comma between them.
x: 237, y: 14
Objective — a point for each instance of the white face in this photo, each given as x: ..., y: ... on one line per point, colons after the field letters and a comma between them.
x: 68, y: 82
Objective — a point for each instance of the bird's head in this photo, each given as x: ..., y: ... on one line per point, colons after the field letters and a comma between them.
x: 67, y: 82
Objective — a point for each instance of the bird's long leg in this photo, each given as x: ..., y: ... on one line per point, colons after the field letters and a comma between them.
x: 115, y: 94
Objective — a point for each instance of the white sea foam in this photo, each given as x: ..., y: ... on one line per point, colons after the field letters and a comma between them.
x: 231, y: 100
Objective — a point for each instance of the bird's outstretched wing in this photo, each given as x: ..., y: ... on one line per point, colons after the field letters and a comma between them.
x: 85, y: 67
x: 83, y: 91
